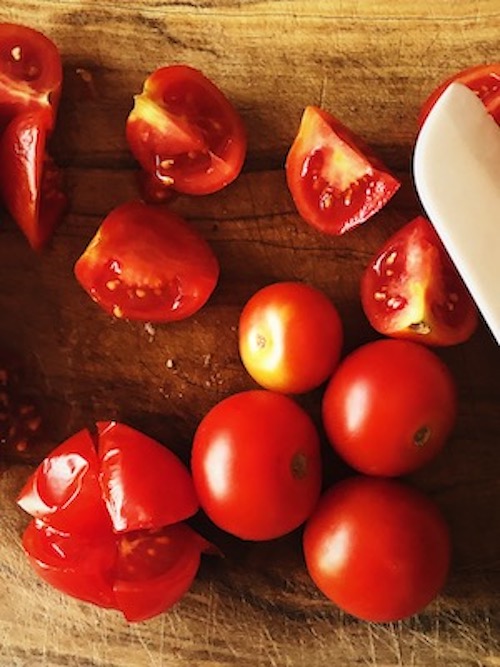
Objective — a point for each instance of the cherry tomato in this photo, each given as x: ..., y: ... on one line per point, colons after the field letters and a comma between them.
x: 378, y: 549
x: 335, y: 180
x: 30, y: 183
x: 84, y: 486
x: 141, y: 574
x: 30, y: 72
x: 484, y: 80
x: 256, y: 465
x: 390, y: 407
x: 184, y: 131
x: 146, y: 263
x: 411, y: 289
x: 290, y: 337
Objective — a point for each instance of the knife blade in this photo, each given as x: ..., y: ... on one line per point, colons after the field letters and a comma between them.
x: 456, y: 169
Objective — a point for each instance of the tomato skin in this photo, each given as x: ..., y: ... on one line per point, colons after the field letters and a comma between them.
x: 290, y: 337
x: 390, y: 407
x: 166, y: 274
x: 256, y: 465
x: 335, y: 180
x: 411, y: 289
x: 484, y: 80
x: 30, y: 72
x: 136, y: 473
x: 30, y: 183
x: 184, y: 131
x: 378, y: 549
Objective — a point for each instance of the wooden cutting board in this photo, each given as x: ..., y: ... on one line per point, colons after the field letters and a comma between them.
x: 370, y: 63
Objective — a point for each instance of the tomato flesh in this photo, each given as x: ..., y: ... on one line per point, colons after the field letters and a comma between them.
x: 185, y: 132
x: 167, y: 273
x: 484, y: 80
x: 390, y: 407
x: 378, y: 549
x: 411, y: 289
x: 335, y: 180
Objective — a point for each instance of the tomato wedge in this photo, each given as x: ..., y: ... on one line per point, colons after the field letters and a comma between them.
x: 484, y: 80
x: 30, y: 72
x: 411, y: 289
x: 334, y: 178
x: 186, y: 132
x: 30, y: 183
x: 147, y: 263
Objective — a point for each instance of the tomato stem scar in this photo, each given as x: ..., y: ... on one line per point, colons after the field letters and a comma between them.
x: 298, y: 466
x: 421, y: 437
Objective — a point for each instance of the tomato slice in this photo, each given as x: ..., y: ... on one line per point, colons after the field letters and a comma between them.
x: 30, y: 183
x: 484, y: 80
x: 143, y: 483
x: 155, y: 569
x: 64, y: 490
x: 411, y: 289
x: 30, y: 72
x: 335, y: 180
x: 186, y: 132
x: 146, y: 263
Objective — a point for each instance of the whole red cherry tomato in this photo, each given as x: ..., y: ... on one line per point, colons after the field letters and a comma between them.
x: 335, y: 180
x: 147, y: 263
x: 256, y: 465
x: 411, y: 289
x: 290, y: 337
x: 30, y: 183
x: 185, y: 131
x: 390, y: 407
x: 108, y: 521
x: 30, y: 72
x: 484, y: 80
x: 378, y: 549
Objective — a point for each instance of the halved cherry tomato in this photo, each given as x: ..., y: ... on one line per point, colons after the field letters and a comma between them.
x: 122, y: 478
x: 389, y: 407
x: 146, y: 263
x: 411, y: 289
x: 378, y: 549
x: 30, y: 72
x: 335, y: 180
x: 290, y: 337
x: 256, y: 465
x: 484, y: 80
x: 184, y: 131
x: 30, y: 183
x: 141, y: 573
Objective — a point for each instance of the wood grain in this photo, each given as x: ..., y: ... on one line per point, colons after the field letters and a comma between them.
x: 372, y: 64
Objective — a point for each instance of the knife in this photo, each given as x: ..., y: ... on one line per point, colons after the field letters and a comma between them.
x: 456, y: 168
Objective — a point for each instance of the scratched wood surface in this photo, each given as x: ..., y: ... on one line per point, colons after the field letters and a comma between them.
x: 372, y: 64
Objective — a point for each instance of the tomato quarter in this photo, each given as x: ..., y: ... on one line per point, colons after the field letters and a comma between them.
x: 290, y: 337
x: 185, y: 131
x: 335, y: 180
x: 411, y: 289
x: 256, y: 465
x: 378, y: 549
x: 390, y: 407
x: 147, y: 263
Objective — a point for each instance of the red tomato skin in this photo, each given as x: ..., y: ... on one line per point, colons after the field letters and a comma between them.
x: 30, y: 72
x: 30, y: 183
x: 168, y: 273
x: 378, y: 549
x: 184, y: 131
x: 144, y: 484
x: 412, y: 290
x: 64, y: 491
x: 484, y: 80
x: 256, y: 465
x: 335, y: 180
x: 390, y: 407
x: 290, y: 337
